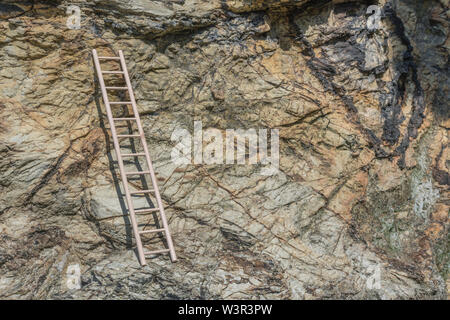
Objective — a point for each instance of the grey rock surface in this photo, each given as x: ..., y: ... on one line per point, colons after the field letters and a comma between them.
x: 358, y: 210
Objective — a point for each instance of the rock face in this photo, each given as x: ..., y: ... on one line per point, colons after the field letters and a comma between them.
x: 358, y: 209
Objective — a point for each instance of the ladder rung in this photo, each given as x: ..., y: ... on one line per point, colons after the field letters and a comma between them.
x: 124, y: 119
x: 128, y: 135
x: 117, y: 88
x: 146, y: 210
x: 137, y: 172
x: 133, y: 155
x: 156, y: 251
x: 151, y: 231
x: 120, y: 102
x: 109, y: 58
x: 142, y: 191
x: 112, y: 72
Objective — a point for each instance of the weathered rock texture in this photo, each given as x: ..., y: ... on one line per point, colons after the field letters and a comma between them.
x: 363, y: 117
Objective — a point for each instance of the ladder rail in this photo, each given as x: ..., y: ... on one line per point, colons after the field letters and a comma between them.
x: 119, y: 158
x: 149, y: 161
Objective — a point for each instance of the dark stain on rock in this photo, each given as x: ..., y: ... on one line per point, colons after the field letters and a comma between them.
x: 44, y: 238
x: 391, y: 106
x: 237, y: 242
x: 392, y: 112
x: 90, y: 151
x: 440, y: 105
x: 323, y: 71
x: 15, y: 253
x: 8, y: 11
x: 47, y: 176
x: 441, y: 176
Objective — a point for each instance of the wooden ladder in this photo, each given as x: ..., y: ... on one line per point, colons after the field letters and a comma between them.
x: 124, y: 175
